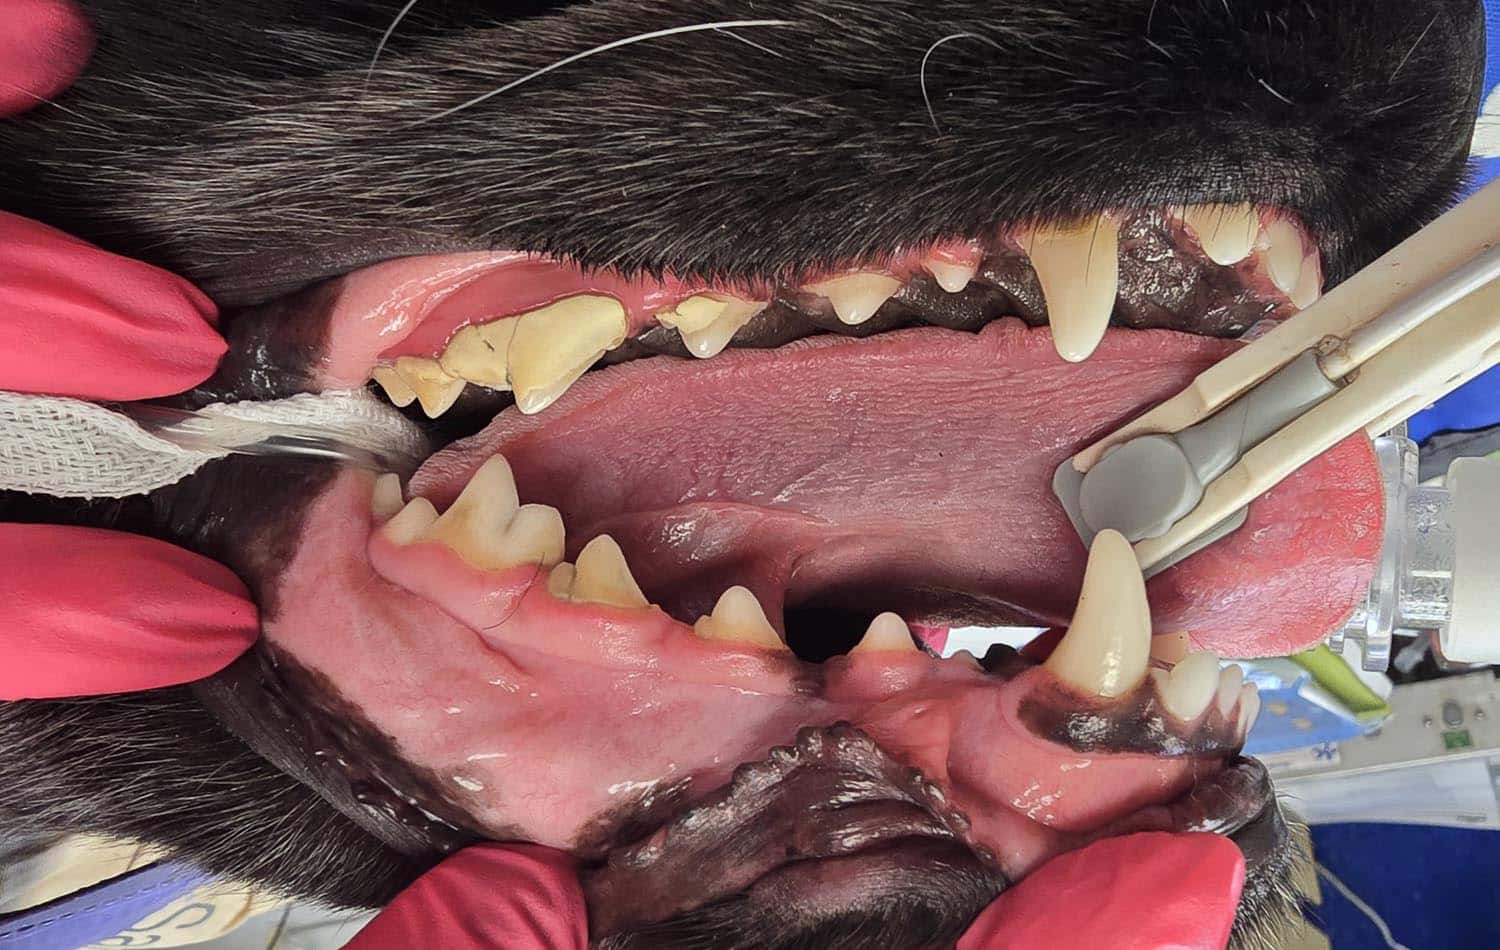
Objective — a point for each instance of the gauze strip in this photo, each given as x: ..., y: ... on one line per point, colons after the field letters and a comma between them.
x: 69, y: 448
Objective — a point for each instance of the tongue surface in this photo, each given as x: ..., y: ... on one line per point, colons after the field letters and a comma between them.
x: 909, y: 471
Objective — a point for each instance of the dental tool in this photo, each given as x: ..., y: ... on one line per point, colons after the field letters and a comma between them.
x: 1397, y: 336
x: 72, y: 448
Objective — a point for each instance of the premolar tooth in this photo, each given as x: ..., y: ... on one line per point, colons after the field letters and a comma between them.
x: 603, y: 576
x: 1249, y: 707
x: 394, y: 386
x: 887, y: 632
x: 738, y: 617
x: 949, y: 276
x: 1225, y: 232
x: 1191, y: 686
x: 556, y: 344
x: 856, y: 297
x: 475, y: 525
x: 1231, y: 678
x: 435, y: 389
x: 1307, y: 291
x: 480, y: 353
x: 1283, y: 254
x: 560, y: 581
x: 536, y: 536
x: 1108, y: 645
x: 411, y: 523
x: 707, y: 323
x: 386, y: 501
x: 1079, y: 270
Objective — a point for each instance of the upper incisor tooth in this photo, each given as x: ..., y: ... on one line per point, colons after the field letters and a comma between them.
x: 738, y: 617
x: 950, y: 276
x: 707, y: 323
x: 394, y: 386
x: 480, y: 353
x: 556, y: 344
x: 1225, y: 232
x: 856, y: 297
x: 435, y: 389
x: 1191, y: 685
x: 475, y: 525
x: 1107, y: 647
x: 886, y: 632
x: 603, y: 577
x: 1079, y: 270
x: 1283, y: 254
x: 385, y: 500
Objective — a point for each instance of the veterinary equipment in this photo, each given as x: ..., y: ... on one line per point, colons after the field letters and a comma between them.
x: 1419, y: 322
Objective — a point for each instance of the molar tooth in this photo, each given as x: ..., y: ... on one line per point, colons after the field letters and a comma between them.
x: 738, y: 617
x: 556, y: 344
x: 480, y: 353
x: 603, y: 576
x: 435, y: 389
x: 560, y: 581
x: 1307, y: 291
x: 394, y: 386
x: 475, y: 525
x: 1225, y: 232
x: 856, y: 297
x: 1107, y: 647
x: 535, y: 536
x: 1079, y: 270
x: 1191, y: 685
x: 411, y: 523
x: 1283, y: 254
x: 949, y: 276
x: 1231, y: 678
x: 386, y: 501
x: 1249, y: 707
x: 887, y: 632
x: 707, y: 323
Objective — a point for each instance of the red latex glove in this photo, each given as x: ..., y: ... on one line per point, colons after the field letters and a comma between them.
x: 516, y: 897
x: 1148, y: 891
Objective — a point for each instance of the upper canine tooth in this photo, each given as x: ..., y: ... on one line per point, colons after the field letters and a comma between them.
x: 394, y: 386
x: 1191, y: 686
x: 738, y: 617
x: 435, y: 389
x: 856, y: 297
x: 949, y: 276
x: 887, y: 632
x: 480, y: 353
x: 1230, y: 680
x: 411, y: 523
x: 1283, y: 254
x: 385, y: 500
x: 556, y: 344
x: 603, y: 577
x: 1225, y: 232
x: 1079, y: 270
x: 474, y: 525
x: 535, y: 536
x: 707, y: 323
x: 1108, y: 644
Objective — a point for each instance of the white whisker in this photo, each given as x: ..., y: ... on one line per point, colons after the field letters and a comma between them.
x: 384, y: 39
x: 922, y: 76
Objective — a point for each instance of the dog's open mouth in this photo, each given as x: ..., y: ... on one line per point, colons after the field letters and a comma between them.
x: 714, y: 554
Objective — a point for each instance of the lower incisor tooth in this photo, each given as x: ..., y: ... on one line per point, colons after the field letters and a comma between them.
x: 556, y: 344
x: 738, y: 618
x: 1249, y: 707
x: 1283, y: 254
x: 856, y: 297
x: 1225, y: 232
x: 386, y: 499
x: 887, y: 632
x: 603, y: 576
x: 435, y: 389
x: 707, y: 324
x: 1079, y: 270
x: 1231, y: 678
x: 1191, y: 686
x: 480, y: 353
x: 1307, y: 291
x: 394, y: 386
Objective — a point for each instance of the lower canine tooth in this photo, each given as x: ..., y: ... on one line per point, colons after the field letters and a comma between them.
x: 394, y: 386
x: 556, y: 344
x: 603, y: 576
x: 435, y: 389
x: 887, y: 632
x: 856, y: 297
x: 1191, y: 686
x: 1283, y: 254
x: 1231, y: 678
x: 738, y: 617
x: 951, y: 277
x: 411, y: 523
x: 475, y: 524
x: 1107, y: 647
x: 1225, y: 232
x: 481, y: 354
x: 1079, y: 270
x: 386, y: 500
x: 707, y: 323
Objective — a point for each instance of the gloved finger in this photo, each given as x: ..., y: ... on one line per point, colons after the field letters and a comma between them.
x: 87, y: 611
x: 1148, y: 891
x: 521, y: 897
x: 79, y: 321
x: 44, y: 45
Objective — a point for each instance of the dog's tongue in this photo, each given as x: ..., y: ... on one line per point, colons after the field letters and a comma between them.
x: 912, y: 472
